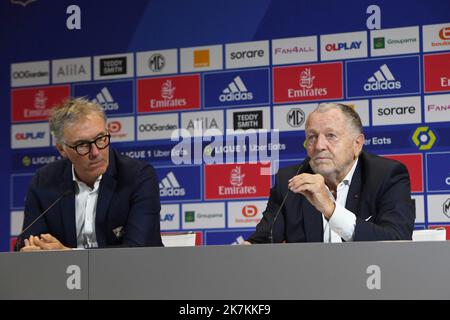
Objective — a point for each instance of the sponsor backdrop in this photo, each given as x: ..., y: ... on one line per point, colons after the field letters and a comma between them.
x: 203, y: 66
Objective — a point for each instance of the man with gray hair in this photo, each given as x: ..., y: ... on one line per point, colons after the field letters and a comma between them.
x: 340, y: 192
x: 95, y: 197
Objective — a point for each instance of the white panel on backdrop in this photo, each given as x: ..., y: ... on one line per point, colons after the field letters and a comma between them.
x: 437, y: 108
x: 247, y: 54
x: 394, y: 41
x: 201, y: 58
x: 114, y: 66
x: 343, y: 45
x: 292, y: 117
x: 170, y: 217
x: 396, y: 111
x: 16, y: 223
x: 71, y: 70
x: 30, y: 73
x: 245, y: 214
x: 294, y: 50
x: 420, y: 208
x: 121, y: 128
x: 153, y: 63
x: 203, y: 215
x: 439, y: 208
x: 436, y: 37
x: 30, y: 135
x: 155, y: 127
x: 198, y: 122
x: 361, y: 107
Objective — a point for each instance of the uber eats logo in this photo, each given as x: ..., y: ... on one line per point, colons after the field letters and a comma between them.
x: 424, y: 138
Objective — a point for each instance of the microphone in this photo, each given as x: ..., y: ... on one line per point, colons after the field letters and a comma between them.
x: 284, y: 200
x: 65, y: 193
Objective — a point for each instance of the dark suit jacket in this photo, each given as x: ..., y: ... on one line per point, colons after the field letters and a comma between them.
x: 128, y: 198
x: 380, y: 189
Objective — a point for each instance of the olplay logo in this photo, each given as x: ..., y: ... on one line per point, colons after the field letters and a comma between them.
x: 121, y: 129
x: 157, y: 127
x: 343, y: 46
x: 436, y: 37
x: 437, y: 72
x: 307, y: 82
x: 36, y: 104
x: 251, y: 118
x: 294, y: 50
x: 245, y: 214
x: 113, y: 66
x: 234, y: 181
x: 394, y: 41
x: 437, y: 108
x: 198, y: 122
x: 247, y: 54
x: 30, y: 135
x: 236, y: 88
x: 171, y: 93
x: 201, y: 58
x: 380, y: 77
x: 30, y: 73
x: 203, y: 215
x: 71, y: 70
x: 396, y: 111
x: 180, y: 183
x: 170, y: 217
x: 115, y: 97
x: 292, y: 117
x: 151, y: 63
x: 438, y: 171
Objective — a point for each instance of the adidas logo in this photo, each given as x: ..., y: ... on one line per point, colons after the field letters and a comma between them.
x: 105, y: 99
x: 383, y: 79
x: 236, y: 91
x: 169, y: 187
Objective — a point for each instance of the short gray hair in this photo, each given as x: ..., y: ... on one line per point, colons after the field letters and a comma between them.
x: 354, y: 121
x: 70, y: 112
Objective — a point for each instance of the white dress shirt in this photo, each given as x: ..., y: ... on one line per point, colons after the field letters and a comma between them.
x: 342, y: 223
x: 85, y: 212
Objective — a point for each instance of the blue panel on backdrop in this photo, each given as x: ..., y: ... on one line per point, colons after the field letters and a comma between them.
x: 438, y: 170
x: 179, y: 183
x: 381, y: 77
x: 237, y: 88
x: 226, y: 237
x: 19, y: 188
x: 115, y: 97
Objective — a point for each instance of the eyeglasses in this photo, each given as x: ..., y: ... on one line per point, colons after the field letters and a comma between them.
x: 83, y: 148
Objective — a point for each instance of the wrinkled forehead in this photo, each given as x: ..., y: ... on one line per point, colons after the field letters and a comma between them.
x: 86, y: 127
x: 325, y: 120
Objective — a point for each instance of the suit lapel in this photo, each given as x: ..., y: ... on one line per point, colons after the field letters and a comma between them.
x: 106, y: 191
x: 354, y: 193
x: 68, y: 208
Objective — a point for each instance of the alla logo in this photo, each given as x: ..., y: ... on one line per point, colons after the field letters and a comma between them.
x: 424, y: 138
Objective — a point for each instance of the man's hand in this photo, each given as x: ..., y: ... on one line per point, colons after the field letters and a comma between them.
x: 45, y: 242
x: 313, y: 187
x: 30, y: 245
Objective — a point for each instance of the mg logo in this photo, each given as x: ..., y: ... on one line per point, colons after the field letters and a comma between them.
x: 446, y: 208
x: 424, y: 138
x: 156, y: 62
x: 295, y: 117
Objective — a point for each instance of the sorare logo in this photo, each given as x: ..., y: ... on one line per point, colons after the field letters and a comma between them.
x: 242, y: 88
x: 382, y: 77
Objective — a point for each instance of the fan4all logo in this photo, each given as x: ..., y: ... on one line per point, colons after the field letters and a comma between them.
x: 424, y: 138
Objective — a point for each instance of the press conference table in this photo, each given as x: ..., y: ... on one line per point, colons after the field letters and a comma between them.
x: 371, y: 270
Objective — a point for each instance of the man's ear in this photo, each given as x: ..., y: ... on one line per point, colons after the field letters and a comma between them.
x: 61, y: 150
x: 358, y: 144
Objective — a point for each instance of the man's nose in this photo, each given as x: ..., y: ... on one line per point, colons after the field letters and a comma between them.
x: 94, y: 151
x: 321, y: 142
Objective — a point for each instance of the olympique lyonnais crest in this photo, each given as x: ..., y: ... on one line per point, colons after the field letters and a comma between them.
x: 23, y: 3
